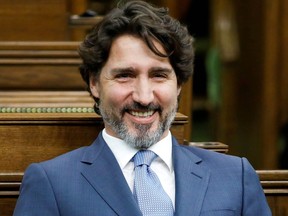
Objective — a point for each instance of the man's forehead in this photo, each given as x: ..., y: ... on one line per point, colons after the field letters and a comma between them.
x: 125, y: 40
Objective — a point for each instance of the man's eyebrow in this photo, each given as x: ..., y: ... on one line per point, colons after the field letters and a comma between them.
x: 122, y: 70
x: 161, y: 69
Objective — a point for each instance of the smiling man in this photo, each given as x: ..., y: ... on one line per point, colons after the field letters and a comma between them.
x: 137, y: 91
x: 134, y: 64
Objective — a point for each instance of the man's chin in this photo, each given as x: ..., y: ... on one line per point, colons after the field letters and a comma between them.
x: 143, y: 130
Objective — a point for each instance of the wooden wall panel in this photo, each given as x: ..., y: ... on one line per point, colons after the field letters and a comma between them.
x: 275, y: 185
x: 41, y: 77
x: 40, y: 66
x: 33, y: 20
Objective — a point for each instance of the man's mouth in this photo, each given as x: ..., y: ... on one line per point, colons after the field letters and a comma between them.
x: 139, y: 111
x: 142, y: 114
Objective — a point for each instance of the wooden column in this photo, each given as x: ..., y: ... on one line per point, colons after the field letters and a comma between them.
x: 270, y: 82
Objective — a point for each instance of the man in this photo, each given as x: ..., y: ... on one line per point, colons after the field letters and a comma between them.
x: 134, y: 62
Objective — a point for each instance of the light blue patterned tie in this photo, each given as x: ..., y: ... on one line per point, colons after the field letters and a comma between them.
x: 151, y: 197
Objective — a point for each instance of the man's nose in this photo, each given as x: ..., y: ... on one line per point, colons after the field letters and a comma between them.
x: 143, y: 92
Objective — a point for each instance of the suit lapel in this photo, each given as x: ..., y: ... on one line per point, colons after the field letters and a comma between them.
x: 191, y: 181
x: 104, y: 174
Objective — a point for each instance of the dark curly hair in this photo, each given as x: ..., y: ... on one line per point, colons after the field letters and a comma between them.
x: 147, y: 22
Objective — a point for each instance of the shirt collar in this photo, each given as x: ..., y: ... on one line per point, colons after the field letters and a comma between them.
x: 123, y: 152
x: 164, y: 150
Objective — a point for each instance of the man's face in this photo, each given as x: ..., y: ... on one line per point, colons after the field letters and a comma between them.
x: 138, y: 92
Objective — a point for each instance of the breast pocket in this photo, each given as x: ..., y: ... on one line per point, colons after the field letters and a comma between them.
x: 224, y: 212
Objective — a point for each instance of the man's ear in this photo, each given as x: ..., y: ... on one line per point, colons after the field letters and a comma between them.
x: 179, y: 90
x: 94, y: 87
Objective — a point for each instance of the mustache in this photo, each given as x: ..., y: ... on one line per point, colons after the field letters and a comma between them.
x: 140, y: 107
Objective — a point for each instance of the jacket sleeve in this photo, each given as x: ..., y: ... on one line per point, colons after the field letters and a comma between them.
x: 36, y: 194
x: 254, y: 200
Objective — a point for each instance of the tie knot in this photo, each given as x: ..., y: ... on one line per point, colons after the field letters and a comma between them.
x: 144, y: 157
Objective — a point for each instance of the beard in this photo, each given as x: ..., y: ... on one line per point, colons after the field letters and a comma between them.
x: 143, y: 137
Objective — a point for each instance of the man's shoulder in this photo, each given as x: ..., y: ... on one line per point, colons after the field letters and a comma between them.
x: 212, y: 158
x: 73, y: 156
x: 65, y: 159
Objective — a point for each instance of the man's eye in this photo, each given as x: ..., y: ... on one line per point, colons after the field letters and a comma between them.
x: 123, y: 76
x: 160, y: 75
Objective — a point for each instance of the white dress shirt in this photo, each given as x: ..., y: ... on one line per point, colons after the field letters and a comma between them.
x: 162, y: 165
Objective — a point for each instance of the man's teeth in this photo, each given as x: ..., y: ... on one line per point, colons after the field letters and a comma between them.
x: 142, y: 114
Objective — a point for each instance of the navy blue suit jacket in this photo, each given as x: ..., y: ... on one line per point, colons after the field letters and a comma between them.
x: 88, y: 181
